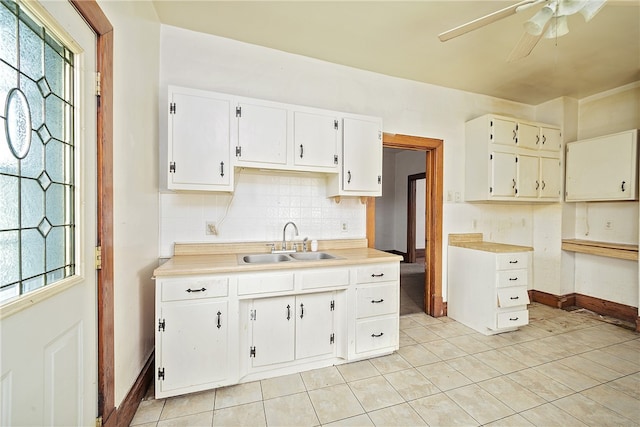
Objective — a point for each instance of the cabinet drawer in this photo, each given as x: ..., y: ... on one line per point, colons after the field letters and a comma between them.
x: 513, y: 296
x: 512, y: 278
x: 179, y: 289
x: 378, y: 273
x: 376, y: 333
x: 512, y: 261
x: 374, y: 300
x: 264, y: 283
x: 324, y: 278
x: 513, y: 319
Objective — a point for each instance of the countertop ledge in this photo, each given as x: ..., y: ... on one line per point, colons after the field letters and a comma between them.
x: 474, y: 241
x: 228, y: 263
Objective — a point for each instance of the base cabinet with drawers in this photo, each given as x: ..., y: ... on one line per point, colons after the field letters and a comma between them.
x: 218, y: 330
x: 488, y: 291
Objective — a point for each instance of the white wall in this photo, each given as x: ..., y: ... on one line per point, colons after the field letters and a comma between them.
x: 135, y: 127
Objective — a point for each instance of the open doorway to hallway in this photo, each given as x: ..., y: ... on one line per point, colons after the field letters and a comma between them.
x: 400, y: 221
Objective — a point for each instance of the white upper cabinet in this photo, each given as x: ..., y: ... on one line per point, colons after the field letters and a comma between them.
x: 316, y: 140
x: 262, y: 133
x: 603, y: 168
x: 199, y: 135
x: 512, y: 160
x: 361, y: 173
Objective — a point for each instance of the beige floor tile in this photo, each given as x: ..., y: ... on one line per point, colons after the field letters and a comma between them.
x: 294, y: 410
x: 375, y: 393
x: 548, y: 415
x: 440, y: 410
x: 203, y: 419
x: 323, y: 377
x: 629, y: 385
x: 335, y: 403
x: 451, y: 329
x: 469, y: 344
x: 515, y: 420
x: 282, y: 386
x: 405, y: 340
x: 473, y: 368
x: 625, y: 351
x: 480, y: 404
x: 590, y: 368
x: 238, y: 394
x: 572, y: 379
x: 500, y: 361
x: 407, y: 322
x: 250, y: 414
x: 443, y: 376
x: 445, y: 350
x: 417, y: 355
x: 493, y: 341
x: 188, y: 404
x: 590, y: 412
x: 153, y: 424
x: 148, y: 411
x: 545, y: 348
x: 602, y: 335
x: 390, y: 363
x: 612, y: 362
x: 357, y: 370
x: 357, y: 421
x: 512, y: 394
x: 561, y: 324
x: 401, y: 415
x: 615, y: 400
x: 525, y: 356
x: 411, y: 384
x: 525, y: 333
x: 541, y: 385
x: 421, y: 334
x: 424, y: 319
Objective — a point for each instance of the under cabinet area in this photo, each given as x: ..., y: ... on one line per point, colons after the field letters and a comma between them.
x: 221, y: 329
x: 512, y: 160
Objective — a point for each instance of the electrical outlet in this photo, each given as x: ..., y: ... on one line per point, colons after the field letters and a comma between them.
x: 608, y: 225
x: 211, y: 229
x: 344, y: 227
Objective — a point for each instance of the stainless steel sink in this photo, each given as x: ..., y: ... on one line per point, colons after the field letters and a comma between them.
x: 264, y: 258
x: 311, y: 256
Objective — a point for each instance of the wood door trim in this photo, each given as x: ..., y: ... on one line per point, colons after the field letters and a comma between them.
x: 98, y: 21
x: 411, y: 214
x: 434, y: 148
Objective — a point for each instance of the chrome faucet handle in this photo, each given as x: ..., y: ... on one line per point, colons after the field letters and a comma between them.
x: 272, y: 245
x: 304, y: 244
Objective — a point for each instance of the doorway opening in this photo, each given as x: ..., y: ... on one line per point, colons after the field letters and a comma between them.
x: 434, y: 150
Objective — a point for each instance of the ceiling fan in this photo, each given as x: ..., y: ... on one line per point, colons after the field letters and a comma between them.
x: 549, y: 22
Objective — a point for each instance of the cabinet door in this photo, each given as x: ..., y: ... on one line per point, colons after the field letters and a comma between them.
x: 503, y: 131
x: 194, y: 343
x: 314, y: 325
x: 603, y: 168
x: 362, y: 155
x: 315, y: 139
x: 528, y: 181
x: 528, y: 136
x: 550, y: 178
x: 273, y: 330
x: 262, y: 133
x: 550, y: 139
x: 199, y: 140
x: 503, y: 174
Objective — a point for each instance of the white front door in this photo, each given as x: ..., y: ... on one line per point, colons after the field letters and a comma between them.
x: 48, y: 364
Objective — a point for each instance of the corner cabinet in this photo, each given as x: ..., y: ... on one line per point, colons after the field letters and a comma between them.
x: 603, y: 168
x: 512, y: 160
x: 198, y: 144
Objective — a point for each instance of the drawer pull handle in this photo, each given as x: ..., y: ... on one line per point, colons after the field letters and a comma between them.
x: 378, y: 335
x: 513, y: 319
x: 196, y: 290
x: 301, y: 310
x: 219, y: 325
x: 373, y: 301
x: 288, y: 312
x: 513, y: 279
x: 377, y: 275
x: 514, y: 297
x: 513, y: 262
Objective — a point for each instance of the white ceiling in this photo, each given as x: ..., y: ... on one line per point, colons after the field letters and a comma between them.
x: 400, y: 39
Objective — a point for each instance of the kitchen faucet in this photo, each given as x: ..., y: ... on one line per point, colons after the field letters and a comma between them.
x: 284, y: 235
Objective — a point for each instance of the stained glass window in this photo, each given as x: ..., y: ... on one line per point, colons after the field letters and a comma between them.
x: 37, y: 190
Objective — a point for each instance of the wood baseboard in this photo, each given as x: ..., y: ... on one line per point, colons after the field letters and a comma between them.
x: 127, y: 409
x: 597, y: 305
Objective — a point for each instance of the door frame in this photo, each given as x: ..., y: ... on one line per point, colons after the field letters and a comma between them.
x: 411, y: 215
x: 434, y: 149
x: 98, y: 21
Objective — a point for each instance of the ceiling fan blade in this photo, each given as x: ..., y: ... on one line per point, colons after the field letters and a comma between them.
x: 524, y: 47
x: 485, y: 20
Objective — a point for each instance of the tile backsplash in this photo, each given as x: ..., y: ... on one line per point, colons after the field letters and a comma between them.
x: 263, y: 201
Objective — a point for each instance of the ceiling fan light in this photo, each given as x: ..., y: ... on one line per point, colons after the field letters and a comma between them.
x: 557, y: 28
x: 538, y: 22
x: 591, y: 8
